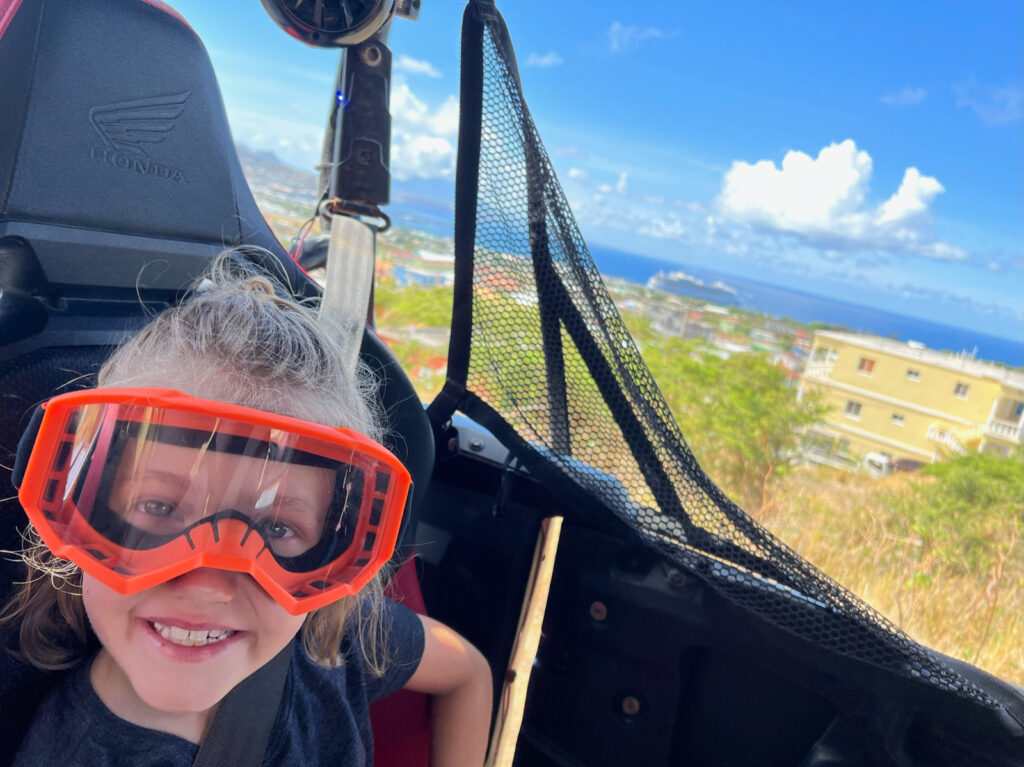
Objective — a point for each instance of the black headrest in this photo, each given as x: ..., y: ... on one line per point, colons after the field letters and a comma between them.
x: 111, y: 123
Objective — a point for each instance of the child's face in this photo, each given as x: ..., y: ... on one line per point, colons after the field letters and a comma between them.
x: 155, y: 662
x: 181, y: 646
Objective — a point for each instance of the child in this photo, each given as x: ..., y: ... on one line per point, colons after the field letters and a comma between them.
x: 222, y: 523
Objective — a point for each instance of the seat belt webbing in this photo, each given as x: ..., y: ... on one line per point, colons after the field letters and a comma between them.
x: 241, y: 726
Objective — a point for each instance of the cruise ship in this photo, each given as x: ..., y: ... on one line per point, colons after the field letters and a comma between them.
x: 687, y: 285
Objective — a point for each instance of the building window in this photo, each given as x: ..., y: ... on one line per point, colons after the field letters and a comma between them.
x: 1019, y: 410
x: 960, y: 390
x: 824, y: 354
x: 913, y: 375
x: 897, y: 419
x: 866, y: 366
x: 852, y: 410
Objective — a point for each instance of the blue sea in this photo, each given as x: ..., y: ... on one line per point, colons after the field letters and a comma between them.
x: 770, y: 299
x: 805, y: 307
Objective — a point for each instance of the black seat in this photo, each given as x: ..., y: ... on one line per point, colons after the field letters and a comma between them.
x: 119, y: 182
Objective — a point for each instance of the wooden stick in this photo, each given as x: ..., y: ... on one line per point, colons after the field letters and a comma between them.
x: 524, y: 651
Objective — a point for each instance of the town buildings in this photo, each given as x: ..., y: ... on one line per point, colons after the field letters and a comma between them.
x: 904, y: 401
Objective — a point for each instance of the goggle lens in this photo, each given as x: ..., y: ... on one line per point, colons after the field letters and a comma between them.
x: 136, y: 488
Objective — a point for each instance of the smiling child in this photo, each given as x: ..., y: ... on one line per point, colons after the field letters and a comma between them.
x: 222, y: 492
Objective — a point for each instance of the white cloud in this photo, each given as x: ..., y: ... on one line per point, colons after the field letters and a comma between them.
x: 712, y: 228
x: 544, y: 60
x: 1000, y: 264
x: 954, y: 298
x: 822, y: 200
x: 620, y: 187
x: 446, y: 120
x: 915, y: 194
x: 423, y: 136
x: 668, y: 227
x: 422, y: 139
x: 415, y: 66
x: 579, y: 175
x: 804, y: 195
x: 570, y: 152
x: 423, y: 157
x: 608, y: 209
x: 993, y: 105
x: 906, y: 97
x: 622, y: 37
x: 412, y: 114
x: 834, y: 232
x: 295, y: 142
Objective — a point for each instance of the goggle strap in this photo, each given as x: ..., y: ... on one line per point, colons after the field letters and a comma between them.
x: 25, y: 444
x: 406, y: 518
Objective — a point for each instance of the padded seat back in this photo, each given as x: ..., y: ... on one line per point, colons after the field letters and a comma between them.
x: 112, y: 123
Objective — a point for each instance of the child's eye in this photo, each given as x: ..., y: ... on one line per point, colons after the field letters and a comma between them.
x: 155, y: 508
x: 278, y: 530
x: 286, y: 538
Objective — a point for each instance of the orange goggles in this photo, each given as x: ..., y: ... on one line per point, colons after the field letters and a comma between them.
x: 138, y: 486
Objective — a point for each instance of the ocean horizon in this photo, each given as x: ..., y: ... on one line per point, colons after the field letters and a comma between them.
x: 807, y: 307
x: 776, y: 301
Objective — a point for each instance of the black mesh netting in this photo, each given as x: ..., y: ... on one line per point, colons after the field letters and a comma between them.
x: 540, y: 354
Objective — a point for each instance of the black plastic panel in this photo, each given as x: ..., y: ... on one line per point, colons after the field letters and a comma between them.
x: 633, y: 670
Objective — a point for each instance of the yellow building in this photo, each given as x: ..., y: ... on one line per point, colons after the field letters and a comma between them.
x: 905, y: 401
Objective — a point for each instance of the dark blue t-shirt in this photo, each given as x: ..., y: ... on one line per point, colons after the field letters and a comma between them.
x: 323, y: 719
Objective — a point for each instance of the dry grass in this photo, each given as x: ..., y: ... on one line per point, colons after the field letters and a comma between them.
x: 844, y: 523
x: 850, y: 527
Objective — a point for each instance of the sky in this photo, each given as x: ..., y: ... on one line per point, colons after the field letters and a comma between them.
x: 869, y: 152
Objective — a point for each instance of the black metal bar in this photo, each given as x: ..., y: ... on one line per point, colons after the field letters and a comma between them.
x: 467, y: 181
x: 362, y: 172
x: 544, y: 275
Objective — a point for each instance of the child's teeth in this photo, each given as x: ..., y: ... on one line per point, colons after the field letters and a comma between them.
x: 187, y: 638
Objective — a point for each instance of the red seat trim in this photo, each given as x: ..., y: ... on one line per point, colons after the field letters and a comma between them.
x: 401, y: 722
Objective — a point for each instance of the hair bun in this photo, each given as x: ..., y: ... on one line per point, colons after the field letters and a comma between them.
x: 260, y: 286
x: 262, y: 289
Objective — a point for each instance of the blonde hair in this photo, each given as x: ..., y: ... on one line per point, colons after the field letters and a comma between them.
x: 238, y: 337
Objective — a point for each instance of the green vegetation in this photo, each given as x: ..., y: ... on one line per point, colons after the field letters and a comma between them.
x: 415, y: 306
x: 937, y: 552
x: 968, y: 516
x: 740, y: 417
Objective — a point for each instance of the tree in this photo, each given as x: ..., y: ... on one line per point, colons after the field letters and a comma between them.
x: 965, y: 512
x: 739, y: 416
x: 962, y: 520
x: 423, y: 306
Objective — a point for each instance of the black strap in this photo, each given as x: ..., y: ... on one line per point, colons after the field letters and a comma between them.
x: 25, y: 444
x: 241, y: 727
x: 467, y: 180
